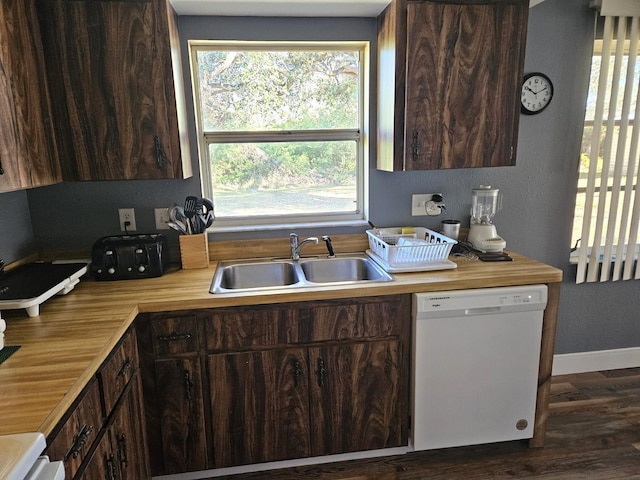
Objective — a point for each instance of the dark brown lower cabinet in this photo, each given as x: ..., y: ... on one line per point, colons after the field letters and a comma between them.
x: 259, y: 406
x: 354, y: 392
x: 103, y: 435
x: 121, y: 453
x: 244, y: 385
x: 181, y: 415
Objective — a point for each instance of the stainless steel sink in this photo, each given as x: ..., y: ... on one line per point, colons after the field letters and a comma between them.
x: 350, y: 269
x: 243, y: 275
x: 269, y: 274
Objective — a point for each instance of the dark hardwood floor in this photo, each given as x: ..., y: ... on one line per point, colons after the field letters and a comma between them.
x: 593, y: 433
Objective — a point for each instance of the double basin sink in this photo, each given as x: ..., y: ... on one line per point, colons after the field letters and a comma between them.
x: 261, y: 274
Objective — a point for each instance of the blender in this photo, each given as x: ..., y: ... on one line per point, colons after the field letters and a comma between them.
x: 482, y: 232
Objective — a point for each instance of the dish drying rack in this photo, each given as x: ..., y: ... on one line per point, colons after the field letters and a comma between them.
x: 418, y: 249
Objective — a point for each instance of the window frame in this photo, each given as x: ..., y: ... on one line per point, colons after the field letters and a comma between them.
x: 360, y: 135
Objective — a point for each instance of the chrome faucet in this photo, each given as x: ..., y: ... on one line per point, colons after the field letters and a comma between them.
x: 296, y: 246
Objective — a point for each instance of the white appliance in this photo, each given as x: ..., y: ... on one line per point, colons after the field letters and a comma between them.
x: 485, y: 202
x: 20, y: 458
x: 475, y: 365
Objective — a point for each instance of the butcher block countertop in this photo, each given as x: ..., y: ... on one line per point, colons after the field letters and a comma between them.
x: 63, y: 347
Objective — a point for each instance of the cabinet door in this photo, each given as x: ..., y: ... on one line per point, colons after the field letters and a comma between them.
x: 464, y: 69
x: 72, y: 442
x: 128, y: 437
x: 355, y: 402
x: 28, y: 154
x: 259, y: 406
x: 121, y: 453
x: 180, y: 417
x: 111, y: 63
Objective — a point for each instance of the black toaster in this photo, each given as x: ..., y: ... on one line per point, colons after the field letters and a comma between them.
x: 124, y: 257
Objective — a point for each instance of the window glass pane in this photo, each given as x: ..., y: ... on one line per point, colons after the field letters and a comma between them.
x: 255, y: 90
x: 284, y: 178
x: 593, y: 88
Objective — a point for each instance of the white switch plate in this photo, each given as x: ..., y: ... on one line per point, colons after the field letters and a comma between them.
x: 162, y: 218
x: 127, y: 215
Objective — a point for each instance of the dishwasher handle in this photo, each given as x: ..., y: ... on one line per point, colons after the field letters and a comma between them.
x: 482, y: 310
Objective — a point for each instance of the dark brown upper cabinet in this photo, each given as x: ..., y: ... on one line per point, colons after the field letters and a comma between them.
x: 449, y: 78
x: 28, y: 154
x: 116, y: 88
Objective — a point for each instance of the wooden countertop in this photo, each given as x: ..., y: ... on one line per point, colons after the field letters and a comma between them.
x: 65, y: 345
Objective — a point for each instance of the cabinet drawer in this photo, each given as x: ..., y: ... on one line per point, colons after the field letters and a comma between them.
x: 368, y: 318
x: 73, y: 441
x: 171, y: 335
x: 118, y: 370
x: 253, y: 327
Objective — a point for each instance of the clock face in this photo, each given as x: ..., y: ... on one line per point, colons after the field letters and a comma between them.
x: 537, y: 91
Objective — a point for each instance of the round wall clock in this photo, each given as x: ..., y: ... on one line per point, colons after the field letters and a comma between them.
x: 537, y: 92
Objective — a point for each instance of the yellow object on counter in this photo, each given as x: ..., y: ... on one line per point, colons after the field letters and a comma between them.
x: 408, y: 230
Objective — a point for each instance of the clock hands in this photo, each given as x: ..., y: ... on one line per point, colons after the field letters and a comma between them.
x: 534, y: 92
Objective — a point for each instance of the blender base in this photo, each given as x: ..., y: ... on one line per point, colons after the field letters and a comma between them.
x: 485, y: 239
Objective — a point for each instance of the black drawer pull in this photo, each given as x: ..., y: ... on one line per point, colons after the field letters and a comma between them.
x: 111, y: 473
x: 126, y: 366
x: 174, y: 336
x: 122, y: 450
x: 79, y: 441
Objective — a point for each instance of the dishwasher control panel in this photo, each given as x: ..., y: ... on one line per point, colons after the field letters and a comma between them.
x: 502, y: 298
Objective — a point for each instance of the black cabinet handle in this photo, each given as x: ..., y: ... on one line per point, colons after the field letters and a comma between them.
x: 297, y: 372
x: 111, y: 472
x: 122, y: 450
x: 174, y: 336
x: 415, y: 153
x: 79, y: 441
x: 322, y: 372
x: 126, y: 366
x: 161, y: 157
x: 188, y: 385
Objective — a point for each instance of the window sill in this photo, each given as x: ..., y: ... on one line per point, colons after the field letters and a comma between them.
x: 573, y: 257
x: 284, y: 226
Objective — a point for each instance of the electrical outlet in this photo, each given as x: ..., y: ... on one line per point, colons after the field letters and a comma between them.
x: 418, y: 204
x: 421, y: 204
x: 162, y: 218
x: 127, y: 215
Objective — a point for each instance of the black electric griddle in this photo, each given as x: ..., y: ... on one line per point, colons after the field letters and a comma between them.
x: 27, y: 286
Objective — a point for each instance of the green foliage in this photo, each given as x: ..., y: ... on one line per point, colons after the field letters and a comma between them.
x: 266, y: 90
x: 257, y: 90
x: 278, y: 165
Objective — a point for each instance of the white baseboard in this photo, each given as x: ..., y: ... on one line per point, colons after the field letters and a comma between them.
x: 259, y: 467
x: 595, y: 361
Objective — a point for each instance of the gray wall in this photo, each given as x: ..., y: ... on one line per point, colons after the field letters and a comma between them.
x: 16, y: 233
x: 538, y: 192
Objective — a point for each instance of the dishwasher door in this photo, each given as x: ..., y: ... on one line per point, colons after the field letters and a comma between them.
x: 475, y: 365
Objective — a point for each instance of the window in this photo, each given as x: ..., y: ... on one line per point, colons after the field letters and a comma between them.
x: 281, y: 131
x: 607, y: 209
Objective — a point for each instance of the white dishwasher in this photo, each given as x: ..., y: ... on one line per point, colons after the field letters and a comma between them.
x: 475, y: 365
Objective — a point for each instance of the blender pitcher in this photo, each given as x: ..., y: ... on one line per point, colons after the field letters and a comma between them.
x: 482, y: 232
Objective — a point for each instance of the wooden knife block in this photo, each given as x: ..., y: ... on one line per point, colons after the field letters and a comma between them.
x: 194, y: 251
